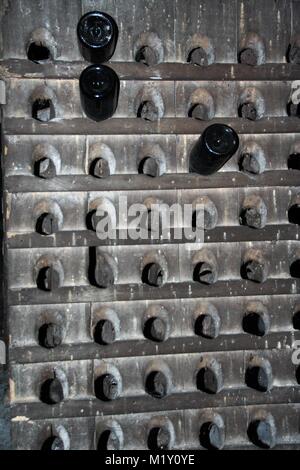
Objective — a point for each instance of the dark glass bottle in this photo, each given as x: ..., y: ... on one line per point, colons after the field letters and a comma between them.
x: 99, y: 92
x: 97, y: 34
x: 212, y: 150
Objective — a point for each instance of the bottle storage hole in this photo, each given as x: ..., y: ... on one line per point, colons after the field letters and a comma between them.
x: 207, y: 381
x: 53, y: 443
x: 252, y: 163
x: 51, y: 392
x: 207, y: 326
x: 43, y: 110
x: 294, y: 214
x: 157, y: 384
x: 254, y: 271
x: 44, y: 168
x: 248, y: 111
x: 159, y: 438
x: 146, y: 55
x: 48, y: 278
x: 260, y: 434
x: 148, y: 111
x: 254, y: 217
x: 294, y: 161
x: 46, y: 224
x: 91, y: 220
x: 257, y: 378
x: 254, y: 324
x: 204, y: 273
x: 295, y: 269
x: 296, y: 320
x: 248, y: 56
x: 199, y: 111
x: 155, y: 329
x: 99, y: 168
x: 106, y: 387
x: 108, y: 440
x: 149, y: 166
x: 293, y: 110
x: 211, y: 436
x: 50, y: 335
x: 153, y: 275
x: 205, y: 218
x: 104, y: 332
x: 38, y: 53
x: 194, y: 220
x: 297, y: 374
x: 100, y: 272
x: 198, y: 56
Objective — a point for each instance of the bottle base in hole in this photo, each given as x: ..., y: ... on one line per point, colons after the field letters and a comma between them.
x: 97, y: 34
x: 217, y: 144
x: 99, y: 92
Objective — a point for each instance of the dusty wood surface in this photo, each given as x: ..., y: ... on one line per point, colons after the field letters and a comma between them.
x: 77, y: 306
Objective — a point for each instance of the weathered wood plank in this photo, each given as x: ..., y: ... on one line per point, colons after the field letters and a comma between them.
x: 142, y: 292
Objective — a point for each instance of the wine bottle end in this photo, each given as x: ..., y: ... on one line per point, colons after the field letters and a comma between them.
x: 99, y: 92
x: 216, y: 145
x: 97, y: 34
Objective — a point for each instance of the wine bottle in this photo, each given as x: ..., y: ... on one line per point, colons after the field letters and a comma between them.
x: 216, y: 145
x: 99, y: 92
x: 97, y: 34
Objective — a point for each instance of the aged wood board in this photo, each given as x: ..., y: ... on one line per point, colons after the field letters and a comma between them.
x: 223, y: 352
